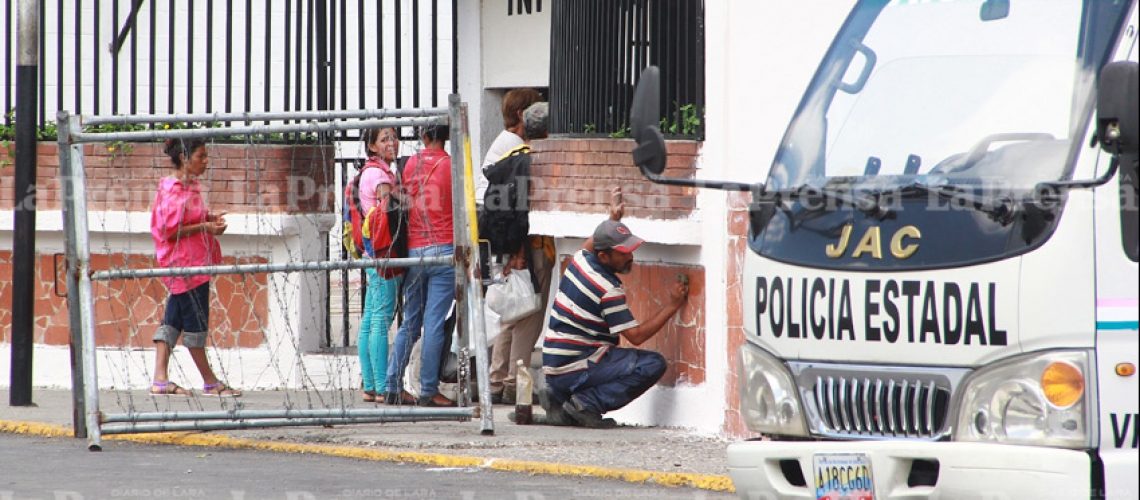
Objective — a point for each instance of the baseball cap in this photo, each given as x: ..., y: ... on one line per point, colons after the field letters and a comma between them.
x: 614, y: 235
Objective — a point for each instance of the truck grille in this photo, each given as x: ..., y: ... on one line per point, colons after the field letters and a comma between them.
x: 861, y: 401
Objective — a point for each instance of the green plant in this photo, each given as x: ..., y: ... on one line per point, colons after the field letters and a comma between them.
x: 621, y: 133
x: 11, y: 148
x: 46, y: 132
x: 686, y: 121
x: 590, y: 128
x: 117, y: 148
x: 8, y: 129
x: 690, y: 119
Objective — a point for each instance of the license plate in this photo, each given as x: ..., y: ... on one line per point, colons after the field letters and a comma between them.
x: 843, y: 477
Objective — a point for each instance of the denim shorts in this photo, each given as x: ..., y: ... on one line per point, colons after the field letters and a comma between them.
x: 187, y: 315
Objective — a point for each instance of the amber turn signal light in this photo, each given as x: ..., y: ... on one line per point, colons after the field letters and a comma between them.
x: 1063, y: 384
x: 1126, y: 369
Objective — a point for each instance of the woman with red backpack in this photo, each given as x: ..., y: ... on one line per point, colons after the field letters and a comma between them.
x: 378, y: 180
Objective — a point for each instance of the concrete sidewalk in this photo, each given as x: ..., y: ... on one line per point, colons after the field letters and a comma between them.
x: 638, y: 454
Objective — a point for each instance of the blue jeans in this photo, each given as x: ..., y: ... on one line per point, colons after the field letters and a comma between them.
x: 621, y: 376
x: 372, y: 343
x: 428, y: 295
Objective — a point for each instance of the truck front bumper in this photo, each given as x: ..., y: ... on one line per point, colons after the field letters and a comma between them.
x: 764, y: 470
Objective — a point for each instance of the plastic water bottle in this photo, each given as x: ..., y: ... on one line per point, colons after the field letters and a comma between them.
x: 523, y: 395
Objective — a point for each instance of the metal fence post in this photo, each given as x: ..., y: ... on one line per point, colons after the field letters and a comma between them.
x: 469, y: 285
x: 78, y: 399
x: 80, y: 302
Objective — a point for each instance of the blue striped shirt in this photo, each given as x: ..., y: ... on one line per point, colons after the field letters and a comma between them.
x: 587, y: 318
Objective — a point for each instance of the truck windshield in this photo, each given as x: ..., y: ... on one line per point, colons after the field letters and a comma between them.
x: 951, y: 93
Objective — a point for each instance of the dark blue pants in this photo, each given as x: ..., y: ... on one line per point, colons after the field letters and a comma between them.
x: 621, y: 376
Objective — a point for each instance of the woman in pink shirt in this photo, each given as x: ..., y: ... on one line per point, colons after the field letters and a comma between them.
x: 377, y: 180
x: 183, y: 230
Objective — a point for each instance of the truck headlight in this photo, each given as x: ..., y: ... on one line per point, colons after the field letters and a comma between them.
x: 1038, y: 399
x: 769, y: 401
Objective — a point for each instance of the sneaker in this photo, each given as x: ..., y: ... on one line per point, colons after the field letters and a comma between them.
x: 586, y: 418
x: 554, y: 414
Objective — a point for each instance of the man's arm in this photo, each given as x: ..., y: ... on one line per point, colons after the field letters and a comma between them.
x: 617, y: 211
x: 678, y: 294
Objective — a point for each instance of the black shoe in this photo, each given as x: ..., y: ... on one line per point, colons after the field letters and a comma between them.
x: 554, y: 414
x: 508, y: 396
x: 437, y: 401
x: 552, y: 407
x: 496, y: 396
x: 586, y: 418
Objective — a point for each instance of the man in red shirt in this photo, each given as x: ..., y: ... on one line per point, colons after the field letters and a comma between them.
x: 428, y: 291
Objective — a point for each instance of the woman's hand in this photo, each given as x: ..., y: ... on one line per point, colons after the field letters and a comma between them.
x: 215, y: 227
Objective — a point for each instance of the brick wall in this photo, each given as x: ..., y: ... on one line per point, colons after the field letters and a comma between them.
x: 127, y: 312
x: 240, y: 178
x: 577, y: 175
x: 682, y: 339
x: 734, y: 295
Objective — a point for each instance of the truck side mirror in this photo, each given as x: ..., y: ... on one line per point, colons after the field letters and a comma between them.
x: 1118, y: 108
x: 650, y: 153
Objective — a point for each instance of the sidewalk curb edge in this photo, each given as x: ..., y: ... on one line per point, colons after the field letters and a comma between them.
x: 700, y: 481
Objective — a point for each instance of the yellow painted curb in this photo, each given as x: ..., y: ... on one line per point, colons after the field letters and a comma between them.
x: 701, y: 481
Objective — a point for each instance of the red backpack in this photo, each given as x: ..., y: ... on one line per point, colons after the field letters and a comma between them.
x: 386, y: 231
x: 352, y: 232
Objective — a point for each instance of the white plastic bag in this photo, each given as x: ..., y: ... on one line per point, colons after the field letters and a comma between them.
x: 515, y: 299
x: 490, y: 325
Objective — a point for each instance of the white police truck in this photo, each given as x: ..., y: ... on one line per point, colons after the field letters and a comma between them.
x: 942, y: 279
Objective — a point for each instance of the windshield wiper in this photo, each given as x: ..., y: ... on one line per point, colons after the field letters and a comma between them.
x: 1001, y: 209
x: 868, y: 204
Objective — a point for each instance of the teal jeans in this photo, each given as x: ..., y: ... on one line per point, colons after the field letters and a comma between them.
x: 372, y: 343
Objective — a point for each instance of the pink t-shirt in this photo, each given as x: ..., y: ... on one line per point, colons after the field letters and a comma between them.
x: 375, y: 173
x: 427, y: 181
x: 175, y: 205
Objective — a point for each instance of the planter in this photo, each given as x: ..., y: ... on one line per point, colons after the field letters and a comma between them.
x: 240, y: 179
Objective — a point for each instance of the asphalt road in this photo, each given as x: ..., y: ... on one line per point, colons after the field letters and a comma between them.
x: 62, y: 469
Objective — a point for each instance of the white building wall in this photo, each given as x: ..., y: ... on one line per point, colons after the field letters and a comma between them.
x: 517, y: 44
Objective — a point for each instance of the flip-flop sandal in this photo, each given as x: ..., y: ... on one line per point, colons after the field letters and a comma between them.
x: 370, y: 397
x: 221, y: 390
x: 168, y: 389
